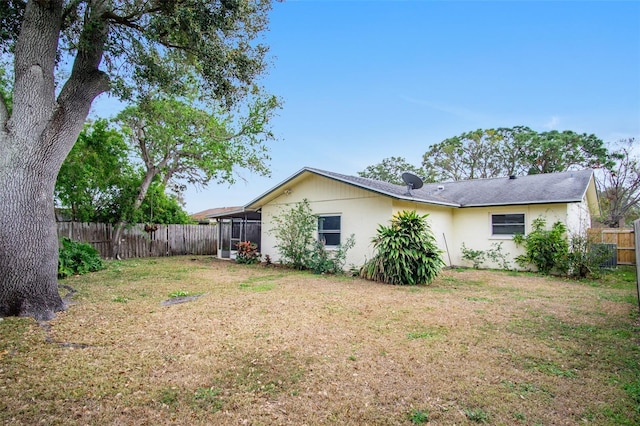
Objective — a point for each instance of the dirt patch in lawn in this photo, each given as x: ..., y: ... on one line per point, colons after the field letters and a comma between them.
x: 273, y: 346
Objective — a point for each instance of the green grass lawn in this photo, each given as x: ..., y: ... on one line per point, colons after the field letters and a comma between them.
x: 266, y: 345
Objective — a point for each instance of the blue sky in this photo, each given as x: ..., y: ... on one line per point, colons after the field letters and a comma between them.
x: 365, y: 80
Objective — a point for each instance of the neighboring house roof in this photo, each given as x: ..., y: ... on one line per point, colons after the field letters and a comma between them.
x: 546, y: 188
x: 211, y: 213
x: 203, y: 214
x: 226, y: 212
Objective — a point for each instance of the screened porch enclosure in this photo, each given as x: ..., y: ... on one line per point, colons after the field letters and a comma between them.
x: 234, y: 228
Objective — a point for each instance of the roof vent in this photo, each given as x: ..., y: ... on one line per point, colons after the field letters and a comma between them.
x: 440, y: 187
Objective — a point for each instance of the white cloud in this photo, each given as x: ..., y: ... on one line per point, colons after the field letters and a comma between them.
x: 553, y: 123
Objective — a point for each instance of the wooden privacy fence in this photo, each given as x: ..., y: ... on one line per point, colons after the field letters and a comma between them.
x: 165, y: 240
x: 623, y: 238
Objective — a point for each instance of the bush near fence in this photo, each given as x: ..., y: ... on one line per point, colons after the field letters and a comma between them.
x: 142, y: 240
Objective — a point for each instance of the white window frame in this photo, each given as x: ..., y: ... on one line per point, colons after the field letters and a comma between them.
x: 492, y: 225
x: 338, y: 231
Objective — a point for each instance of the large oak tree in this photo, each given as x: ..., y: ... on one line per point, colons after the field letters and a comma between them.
x: 113, y: 45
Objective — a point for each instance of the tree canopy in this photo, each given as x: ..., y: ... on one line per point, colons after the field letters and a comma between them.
x: 94, y: 173
x: 176, y: 140
x: 488, y: 153
x: 390, y: 170
x: 150, y: 44
x: 98, y: 182
x: 512, y: 151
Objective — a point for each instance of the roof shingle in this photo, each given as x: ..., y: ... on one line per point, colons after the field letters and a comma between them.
x: 561, y: 187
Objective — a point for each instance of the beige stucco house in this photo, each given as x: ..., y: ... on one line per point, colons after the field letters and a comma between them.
x: 477, y: 212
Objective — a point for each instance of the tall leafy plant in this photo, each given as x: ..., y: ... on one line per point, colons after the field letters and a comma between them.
x: 294, y: 232
x: 406, y: 252
x: 546, y: 249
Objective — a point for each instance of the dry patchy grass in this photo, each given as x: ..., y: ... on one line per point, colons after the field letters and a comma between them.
x: 272, y: 346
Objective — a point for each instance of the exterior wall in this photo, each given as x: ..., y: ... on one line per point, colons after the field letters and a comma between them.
x: 472, y: 226
x: 361, y: 211
x: 578, y: 218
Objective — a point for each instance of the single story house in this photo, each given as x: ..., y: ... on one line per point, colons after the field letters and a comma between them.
x: 476, y: 213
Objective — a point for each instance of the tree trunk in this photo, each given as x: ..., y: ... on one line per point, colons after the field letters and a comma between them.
x: 34, y: 141
x: 28, y: 245
x: 116, y: 239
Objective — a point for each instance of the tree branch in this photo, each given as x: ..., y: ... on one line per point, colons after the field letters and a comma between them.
x: 86, y: 81
x: 167, y: 177
x: 34, y: 62
x: 127, y: 21
x: 68, y: 10
x: 138, y: 128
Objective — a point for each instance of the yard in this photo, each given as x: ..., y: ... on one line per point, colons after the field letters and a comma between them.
x: 265, y: 345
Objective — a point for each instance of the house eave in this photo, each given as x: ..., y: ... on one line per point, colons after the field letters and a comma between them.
x: 256, y: 204
x: 418, y: 200
x: 520, y: 203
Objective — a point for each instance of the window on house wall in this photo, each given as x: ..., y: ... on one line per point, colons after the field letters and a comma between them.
x: 507, y: 224
x: 329, y: 230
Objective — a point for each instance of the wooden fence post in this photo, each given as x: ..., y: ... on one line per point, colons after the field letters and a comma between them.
x: 636, y: 228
